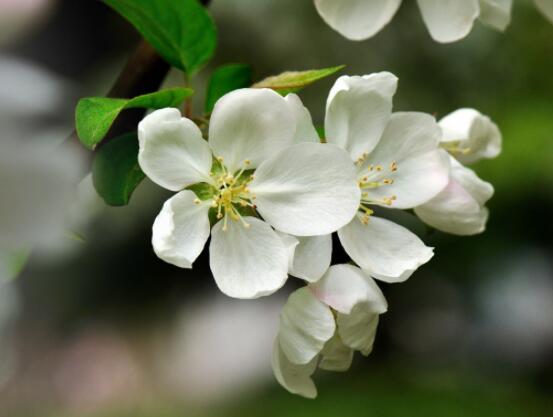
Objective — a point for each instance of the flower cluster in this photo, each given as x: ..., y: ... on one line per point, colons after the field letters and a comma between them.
x: 446, y: 20
x: 271, y: 193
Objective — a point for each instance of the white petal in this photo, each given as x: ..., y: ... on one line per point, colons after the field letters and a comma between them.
x: 306, y: 324
x: 473, y: 133
x: 336, y: 356
x: 383, y: 249
x: 345, y: 286
x: 411, y: 140
x: 459, y: 208
x: 172, y: 152
x: 181, y: 229
x: 449, y: 20
x: 546, y: 7
x: 308, y: 189
x: 384, y: 83
x: 305, y: 131
x: 496, y: 13
x: 247, y: 262
x: 357, y: 19
x: 250, y: 124
x: 358, y: 110
x: 290, y: 243
x: 295, y: 378
x: 358, y: 329
x: 311, y: 257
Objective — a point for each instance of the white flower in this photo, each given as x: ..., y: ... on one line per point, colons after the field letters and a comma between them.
x: 306, y: 189
x: 398, y: 164
x: 470, y: 136
x: 460, y: 208
x: 447, y: 20
x: 322, y: 325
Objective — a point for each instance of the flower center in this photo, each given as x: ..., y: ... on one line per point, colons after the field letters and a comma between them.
x: 232, y: 193
x: 371, y: 178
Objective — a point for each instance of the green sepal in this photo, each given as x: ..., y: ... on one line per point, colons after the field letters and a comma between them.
x: 294, y: 81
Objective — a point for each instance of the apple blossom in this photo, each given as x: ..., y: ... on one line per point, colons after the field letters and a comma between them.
x: 252, y: 178
x: 399, y: 165
x: 322, y: 325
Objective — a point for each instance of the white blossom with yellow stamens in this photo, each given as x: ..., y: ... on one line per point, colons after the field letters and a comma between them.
x: 399, y: 165
x: 253, y: 178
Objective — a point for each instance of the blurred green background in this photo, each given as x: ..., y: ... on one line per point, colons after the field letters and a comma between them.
x: 106, y: 329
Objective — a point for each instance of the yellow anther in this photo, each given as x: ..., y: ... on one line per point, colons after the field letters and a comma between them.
x: 393, y: 166
x: 247, y: 162
x: 379, y: 168
x: 388, y: 181
x: 197, y: 201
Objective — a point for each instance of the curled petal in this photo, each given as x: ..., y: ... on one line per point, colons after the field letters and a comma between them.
x: 308, y: 189
x: 358, y: 110
x: 345, y: 286
x: 470, y: 136
x: 250, y: 124
x: 358, y: 329
x: 357, y: 19
x: 181, y: 229
x: 460, y: 208
x: 336, y: 356
x: 383, y: 249
x: 449, y: 20
x: 295, y: 378
x: 172, y: 152
x: 306, y: 324
x: 247, y: 262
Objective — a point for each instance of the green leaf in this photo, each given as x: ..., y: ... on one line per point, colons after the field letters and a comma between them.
x: 95, y: 115
x: 294, y: 81
x: 180, y: 30
x: 115, y: 170
x: 225, y: 79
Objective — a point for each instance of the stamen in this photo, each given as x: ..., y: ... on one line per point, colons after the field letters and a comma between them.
x: 233, y: 192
